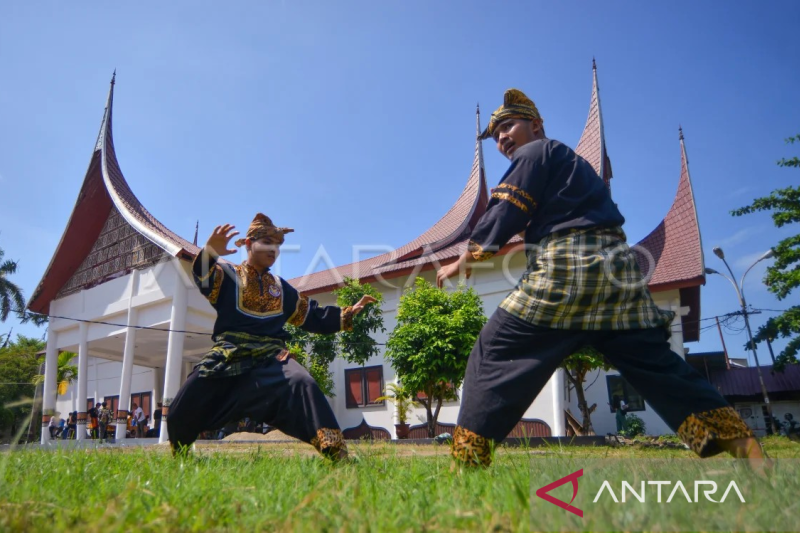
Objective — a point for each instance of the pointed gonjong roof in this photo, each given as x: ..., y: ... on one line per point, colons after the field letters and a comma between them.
x: 592, y: 145
x: 103, y: 194
x: 676, y: 249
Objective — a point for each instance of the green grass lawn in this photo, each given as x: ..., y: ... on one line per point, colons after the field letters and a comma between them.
x: 279, y: 487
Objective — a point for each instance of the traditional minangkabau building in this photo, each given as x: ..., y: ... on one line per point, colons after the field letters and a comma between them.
x: 117, y: 264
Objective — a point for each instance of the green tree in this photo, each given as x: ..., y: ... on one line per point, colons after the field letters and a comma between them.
x: 10, y: 294
x: 784, y: 274
x: 577, y: 366
x: 358, y: 346
x: 430, y: 345
x: 11, y: 298
x: 19, y: 365
x: 317, y: 352
x: 66, y: 373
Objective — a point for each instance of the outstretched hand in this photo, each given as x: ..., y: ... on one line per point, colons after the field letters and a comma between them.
x: 217, y: 243
x: 452, y: 269
x: 363, y: 302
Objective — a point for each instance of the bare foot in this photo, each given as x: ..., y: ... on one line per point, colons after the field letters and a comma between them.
x: 750, y: 449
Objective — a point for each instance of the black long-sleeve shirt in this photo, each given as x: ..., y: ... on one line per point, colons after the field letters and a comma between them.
x: 547, y: 188
x: 261, y: 304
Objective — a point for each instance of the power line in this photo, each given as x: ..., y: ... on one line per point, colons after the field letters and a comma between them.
x: 723, y: 318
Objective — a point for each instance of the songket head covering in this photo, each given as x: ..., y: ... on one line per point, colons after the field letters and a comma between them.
x: 515, y: 105
x: 262, y: 228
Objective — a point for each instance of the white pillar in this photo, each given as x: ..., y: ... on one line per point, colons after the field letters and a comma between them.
x: 49, y: 389
x: 83, y: 379
x: 127, y: 373
x: 172, y: 380
x: 558, y: 403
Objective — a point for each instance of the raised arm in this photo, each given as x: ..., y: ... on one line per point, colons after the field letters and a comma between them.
x: 207, y: 274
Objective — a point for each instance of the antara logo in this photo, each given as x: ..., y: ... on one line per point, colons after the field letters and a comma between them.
x: 679, y: 487
x: 573, y: 477
x: 709, y: 489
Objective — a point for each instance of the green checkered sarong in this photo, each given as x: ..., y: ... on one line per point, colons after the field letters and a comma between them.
x: 585, y: 279
x: 235, y: 353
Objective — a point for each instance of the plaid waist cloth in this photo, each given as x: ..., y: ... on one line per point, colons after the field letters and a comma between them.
x: 235, y: 353
x: 585, y: 279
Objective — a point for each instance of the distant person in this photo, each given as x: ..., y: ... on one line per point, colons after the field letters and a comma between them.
x: 93, y: 421
x: 621, y: 412
x: 157, y: 416
x: 104, y: 418
x: 53, y: 426
x: 138, y: 416
x: 72, y: 426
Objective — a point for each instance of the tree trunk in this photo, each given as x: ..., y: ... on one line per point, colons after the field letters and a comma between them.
x: 435, y: 418
x: 585, y: 411
x: 577, y: 382
x: 429, y: 412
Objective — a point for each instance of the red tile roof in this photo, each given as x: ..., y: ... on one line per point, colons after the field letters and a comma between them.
x: 592, y: 145
x: 103, y: 186
x: 675, y: 245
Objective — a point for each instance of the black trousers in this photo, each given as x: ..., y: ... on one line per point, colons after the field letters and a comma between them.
x: 513, y: 359
x: 282, y: 394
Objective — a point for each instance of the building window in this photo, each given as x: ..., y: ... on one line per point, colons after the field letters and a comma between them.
x: 363, y: 386
x: 89, y: 404
x: 112, y: 404
x: 617, y: 386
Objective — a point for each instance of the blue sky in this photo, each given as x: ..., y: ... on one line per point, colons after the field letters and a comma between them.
x: 353, y: 122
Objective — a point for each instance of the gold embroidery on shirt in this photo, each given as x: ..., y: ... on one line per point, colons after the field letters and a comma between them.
x: 298, y: 318
x: 478, y: 252
x: 213, y: 296
x: 521, y: 192
x: 511, y: 199
x: 258, y: 299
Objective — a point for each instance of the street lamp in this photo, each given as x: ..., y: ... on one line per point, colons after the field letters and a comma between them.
x: 743, y: 303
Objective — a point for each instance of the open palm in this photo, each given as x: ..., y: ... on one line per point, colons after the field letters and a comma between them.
x: 218, y: 241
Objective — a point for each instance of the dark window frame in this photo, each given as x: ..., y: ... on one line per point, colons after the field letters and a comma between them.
x: 365, y: 400
x: 634, y: 400
x: 137, y: 397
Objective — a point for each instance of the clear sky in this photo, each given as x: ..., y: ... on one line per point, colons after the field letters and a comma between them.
x: 354, y: 122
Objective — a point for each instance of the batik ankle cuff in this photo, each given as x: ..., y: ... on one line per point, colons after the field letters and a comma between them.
x: 703, y: 431
x: 470, y: 448
x: 329, y: 442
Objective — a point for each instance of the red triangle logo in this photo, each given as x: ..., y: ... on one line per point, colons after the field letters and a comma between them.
x: 573, y: 477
